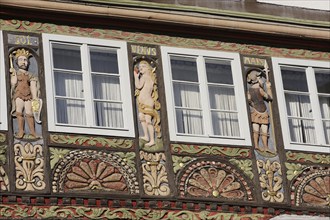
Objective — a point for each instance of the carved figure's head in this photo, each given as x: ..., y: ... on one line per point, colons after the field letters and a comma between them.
x: 22, y: 58
x: 253, y: 76
x: 144, y: 67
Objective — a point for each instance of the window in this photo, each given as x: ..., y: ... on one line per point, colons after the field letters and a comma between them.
x: 202, y: 89
x: 303, y: 89
x: 90, y: 86
x: 3, y: 101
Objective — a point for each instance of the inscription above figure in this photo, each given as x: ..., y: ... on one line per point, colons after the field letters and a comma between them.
x: 147, y: 101
x: 258, y: 97
x: 26, y: 104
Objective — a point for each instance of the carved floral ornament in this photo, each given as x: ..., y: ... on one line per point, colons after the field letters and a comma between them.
x: 212, y: 179
x: 312, y: 188
x: 94, y: 171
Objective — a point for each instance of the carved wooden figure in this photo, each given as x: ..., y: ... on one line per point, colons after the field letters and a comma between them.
x: 257, y: 98
x: 146, y: 93
x: 24, y: 93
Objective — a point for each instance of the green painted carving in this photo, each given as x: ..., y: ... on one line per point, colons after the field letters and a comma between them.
x: 91, y: 141
x: 2, y: 137
x: 56, y: 155
x: 81, y: 212
x: 211, y: 150
x: 128, y: 158
x: 293, y: 170
x: 305, y: 157
x: 244, y: 165
x: 247, y: 49
x: 180, y: 162
x: 3, y: 154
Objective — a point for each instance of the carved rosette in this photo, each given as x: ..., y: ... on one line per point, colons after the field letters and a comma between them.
x: 270, y: 176
x: 29, y: 166
x: 210, y: 179
x: 94, y: 171
x: 312, y: 188
x: 155, y: 181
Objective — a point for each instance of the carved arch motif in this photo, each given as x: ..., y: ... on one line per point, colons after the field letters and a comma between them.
x: 90, y: 170
x: 214, y: 179
x: 312, y: 188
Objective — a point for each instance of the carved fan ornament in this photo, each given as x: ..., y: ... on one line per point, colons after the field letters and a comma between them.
x: 93, y: 171
x: 312, y: 187
x: 214, y: 180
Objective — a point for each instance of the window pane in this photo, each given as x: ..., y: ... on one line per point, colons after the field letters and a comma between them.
x: 106, y: 87
x: 189, y: 121
x: 69, y: 85
x: 70, y: 112
x: 294, y: 79
x: 109, y: 115
x: 219, y: 71
x: 222, y: 98
x: 298, y: 105
x: 326, y: 127
x: 302, y: 131
x: 325, y: 107
x: 323, y: 80
x: 104, y: 60
x: 225, y: 124
x: 186, y: 95
x: 66, y: 57
x: 184, y: 69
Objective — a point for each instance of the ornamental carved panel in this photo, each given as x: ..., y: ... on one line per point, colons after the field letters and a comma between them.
x: 212, y: 179
x: 93, y: 171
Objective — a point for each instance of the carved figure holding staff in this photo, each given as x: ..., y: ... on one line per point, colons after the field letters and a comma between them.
x: 24, y: 93
x: 257, y: 98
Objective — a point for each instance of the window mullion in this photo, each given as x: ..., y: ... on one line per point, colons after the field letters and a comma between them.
x: 87, y: 83
x: 204, y: 96
x: 311, y: 81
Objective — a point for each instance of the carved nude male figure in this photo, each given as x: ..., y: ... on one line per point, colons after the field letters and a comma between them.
x: 23, y: 91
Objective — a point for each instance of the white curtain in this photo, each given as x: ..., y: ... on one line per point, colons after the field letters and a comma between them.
x: 325, y: 111
x: 224, y: 115
x: 301, y: 130
x: 107, y: 101
x: 69, y: 89
x: 188, y: 108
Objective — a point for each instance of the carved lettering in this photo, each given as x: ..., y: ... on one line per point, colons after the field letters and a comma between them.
x: 144, y: 50
x: 25, y: 40
x: 254, y: 61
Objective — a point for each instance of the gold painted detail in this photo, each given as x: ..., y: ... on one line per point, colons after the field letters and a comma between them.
x: 211, y: 150
x: 244, y: 165
x: 91, y: 141
x: 293, y: 170
x: 180, y: 162
x: 82, y: 212
x: 2, y: 137
x: 270, y: 176
x: 305, y: 157
x: 155, y: 180
x: 247, y: 49
x: 29, y: 166
x: 4, y: 181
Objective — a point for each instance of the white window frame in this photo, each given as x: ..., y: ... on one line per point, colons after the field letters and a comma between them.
x: 245, y: 138
x: 312, y: 89
x: 125, y: 86
x: 3, y: 98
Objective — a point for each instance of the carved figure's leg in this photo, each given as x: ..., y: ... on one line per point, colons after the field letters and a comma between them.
x: 256, y: 128
x: 20, y: 124
x: 264, y: 137
x: 30, y: 122
x: 151, y: 131
x: 144, y: 125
